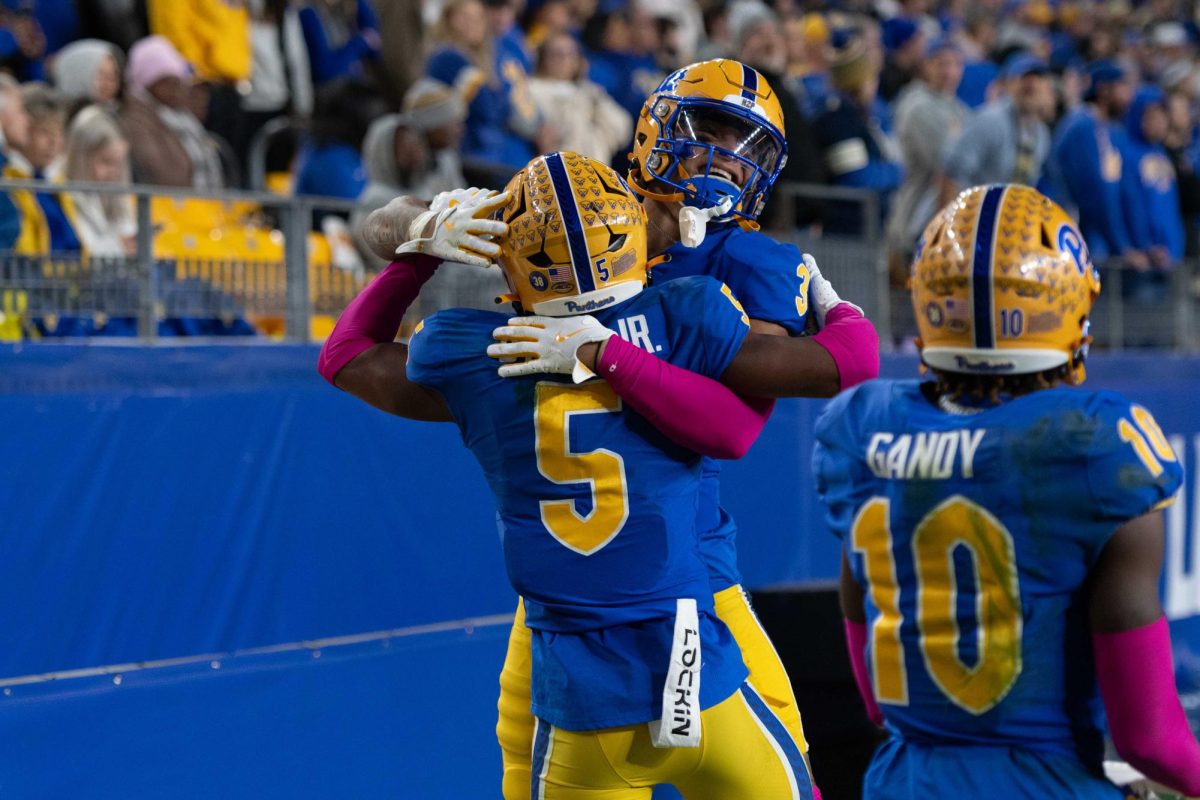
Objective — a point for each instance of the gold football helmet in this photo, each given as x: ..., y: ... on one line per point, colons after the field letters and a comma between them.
x: 719, y: 110
x: 576, y: 240
x: 1002, y: 284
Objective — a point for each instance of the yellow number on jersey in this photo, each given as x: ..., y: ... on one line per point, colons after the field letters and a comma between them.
x: 870, y: 536
x: 957, y: 521
x: 556, y: 404
x: 1149, y: 430
x: 802, y: 294
x: 725, y: 290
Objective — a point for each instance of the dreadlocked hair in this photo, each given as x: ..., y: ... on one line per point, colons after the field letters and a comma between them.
x: 992, y: 389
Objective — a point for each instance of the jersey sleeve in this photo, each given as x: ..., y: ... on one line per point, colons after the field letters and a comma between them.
x: 441, y: 350
x: 1131, y: 467
x: 838, y: 468
x: 770, y: 279
x: 710, y: 324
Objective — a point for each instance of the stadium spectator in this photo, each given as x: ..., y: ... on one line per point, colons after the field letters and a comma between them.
x: 403, y: 60
x: 1008, y: 140
x: 281, y: 80
x: 618, y: 60
x: 213, y: 36
x: 342, y: 38
x: 22, y: 43
x: 928, y: 114
x: 173, y: 149
x: 856, y: 150
x: 17, y: 208
x: 582, y: 116
x: 975, y: 39
x: 1149, y: 195
x: 904, y: 44
x: 86, y: 72
x: 36, y: 159
x: 511, y: 43
x: 413, y: 153
x: 808, y: 39
x: 759, y: 42
x: 330, y: 161
x: 1085, y: 165
x: 502, y: 123
x: 97, y: 152
x: 1183, y: 146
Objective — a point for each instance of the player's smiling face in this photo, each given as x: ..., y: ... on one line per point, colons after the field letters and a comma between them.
x: 731, y: 169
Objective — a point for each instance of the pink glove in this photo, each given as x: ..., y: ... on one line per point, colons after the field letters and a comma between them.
x: 375, y: 315
x: 851, y: 339
x: 1148, y: 726
x: 856, y: 643
x: 691, y: 410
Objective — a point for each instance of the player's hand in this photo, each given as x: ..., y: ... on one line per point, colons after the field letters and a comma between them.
x: 549, y: 345
x: 458, y: 227
x: 822, y: 297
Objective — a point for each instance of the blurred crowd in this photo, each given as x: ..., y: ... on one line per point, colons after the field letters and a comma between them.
x: 1096, y: 103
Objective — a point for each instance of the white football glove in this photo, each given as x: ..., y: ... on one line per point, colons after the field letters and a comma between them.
x: 462, y: 229
x: 549, y: 344
x: 821, y: 295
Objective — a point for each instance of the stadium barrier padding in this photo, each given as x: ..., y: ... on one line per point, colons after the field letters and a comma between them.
x: 169, y: 502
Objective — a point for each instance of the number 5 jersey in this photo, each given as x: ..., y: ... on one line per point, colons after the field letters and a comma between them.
x: 596, y: 508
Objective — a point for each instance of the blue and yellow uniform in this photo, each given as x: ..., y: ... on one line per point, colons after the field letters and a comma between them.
x: 770, y: 280
x: 972, y: 535
x: 597, y: 513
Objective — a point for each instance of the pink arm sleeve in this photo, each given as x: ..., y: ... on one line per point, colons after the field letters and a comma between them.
x: 851, y: 339
x: 375, y: 315
x: 856, y: 643
x: 691, y: 410
x: 1147, y: 723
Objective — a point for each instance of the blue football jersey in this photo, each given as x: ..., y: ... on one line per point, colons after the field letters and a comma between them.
x: 770, y: 280
x: 597, y: 509
x: 973, y: 536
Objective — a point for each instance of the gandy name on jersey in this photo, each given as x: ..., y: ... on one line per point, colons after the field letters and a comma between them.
x: 924, y: 456
x: 597, y: 510
x: 972, y: 536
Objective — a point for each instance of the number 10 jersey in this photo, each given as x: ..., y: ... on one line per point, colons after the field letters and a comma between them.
x: 972, y: 535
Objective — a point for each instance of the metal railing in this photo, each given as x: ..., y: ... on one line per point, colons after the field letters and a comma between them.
x: 248, y: 263
x: 197, y: 256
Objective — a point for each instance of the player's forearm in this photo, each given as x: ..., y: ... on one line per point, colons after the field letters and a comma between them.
x: 690, y: 409
x: 1147, y: 722
x: 852, y: 343
x: 780, y: 366
x: 387, y: 228
x: 856, y: 642
x: 374, y: 316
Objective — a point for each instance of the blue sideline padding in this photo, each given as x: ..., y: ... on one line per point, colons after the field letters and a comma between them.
x: 393, y: 716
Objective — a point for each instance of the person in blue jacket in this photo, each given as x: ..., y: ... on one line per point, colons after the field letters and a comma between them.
x: 1085, y: 165
x: 856, y: 150
x: 503, y: 125
x: 1150, y: 194
x: 341, y: 37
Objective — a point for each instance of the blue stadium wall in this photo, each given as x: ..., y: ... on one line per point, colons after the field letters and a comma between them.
x: 247, y: 584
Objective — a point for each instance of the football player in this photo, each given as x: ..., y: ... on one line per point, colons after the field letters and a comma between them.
x: 708, y: 148
x: 636, y: 681
x: 1002, y: 532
